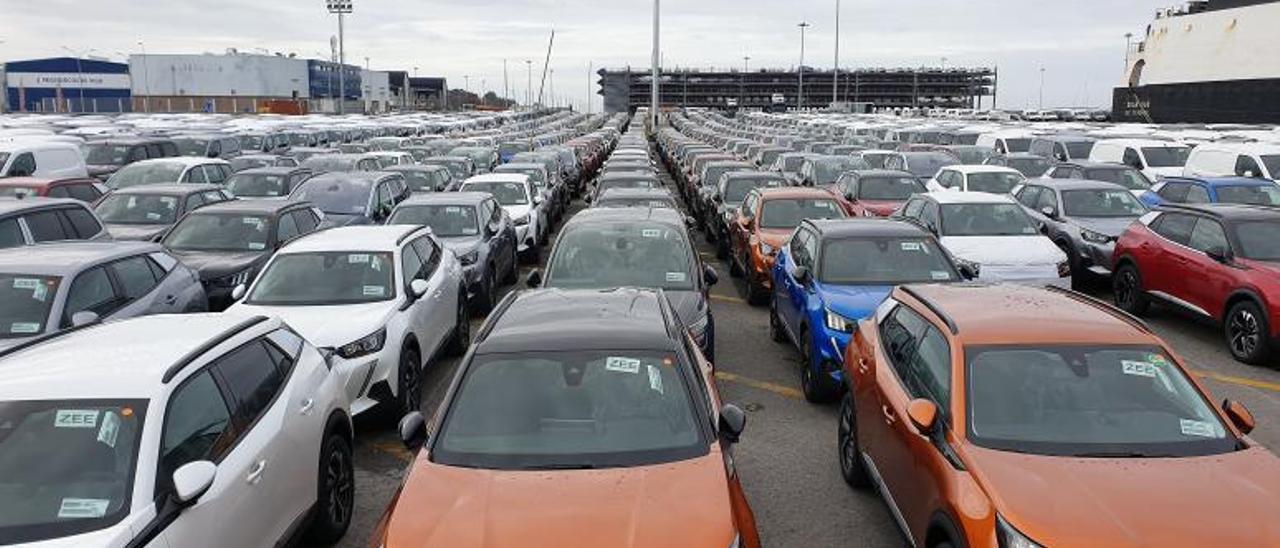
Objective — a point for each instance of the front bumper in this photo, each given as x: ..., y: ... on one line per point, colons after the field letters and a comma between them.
x: 830, y: 354
x: 474, y: 277
x: 524, y: 234
x: 1096, y: 258
x: 762, y: 268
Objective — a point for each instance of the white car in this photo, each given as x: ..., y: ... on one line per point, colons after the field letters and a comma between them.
x: 384, y: 299
x: 200, y: 431
x: 517, y: 196
x: 993, y: 233
x: 993, y: 179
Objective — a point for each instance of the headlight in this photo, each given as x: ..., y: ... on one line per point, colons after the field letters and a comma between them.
x: 839, y: 323
x: 233, y: 280
x: 1095, y: 237
x: 364, y: 346
x: 468, y: 259
x: 1008, y: 537
x: 736, y: 542
x: 1064, y: 269
x: 522, y: 220
x: 867, y: 213
x: 767, y: 249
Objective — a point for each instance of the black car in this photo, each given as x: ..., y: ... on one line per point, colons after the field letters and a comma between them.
x: 252, y: 161
x: 637, y: 197
x: 422, y: 178
x: 228, y: 243
x: 635, y: 247
x: 267, y: 182
x: 364, y: 198
x: 1119, y: 174
x: 102, y: 158
x: 145, y: 212
x: 1030, y: 165
x: 476, y: 228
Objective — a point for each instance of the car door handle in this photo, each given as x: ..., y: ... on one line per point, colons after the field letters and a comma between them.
x: 255, y: 475
x: 889, y: 416
x: 862, y: 365
x: 439, y: 293
x: 169, y: 299
x: 307, y: 405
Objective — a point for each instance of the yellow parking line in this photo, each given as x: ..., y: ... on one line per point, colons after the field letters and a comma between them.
x: 784, y: 391
x: 727, y: 299
x: 394, y: 449
x: 1264, y: 385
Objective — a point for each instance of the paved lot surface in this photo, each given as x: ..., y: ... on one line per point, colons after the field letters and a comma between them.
x: 787, y: 457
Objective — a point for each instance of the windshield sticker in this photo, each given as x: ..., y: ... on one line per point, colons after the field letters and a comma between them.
x: 357, y: 258
x: 257, y: 246
x: 76, y: 418
x: 940, y: 275
x: 374, y: 291
x: 83, y: 508
x: 252, y: 221
x: 622, y: 365
x: 1197, y: 428
x: 651, y: 233
x: 470, y: 232
x: 153, y: 216
x: 40, y: 293
x: 452, y: 209
x: 1157, y: 359
x: 912, y: 246
x: 110, y: 429
x: 26, y: 283
x: 24, y: 327
x: 676, y: 277
x: 655, y: 379
x: 1141, y: 369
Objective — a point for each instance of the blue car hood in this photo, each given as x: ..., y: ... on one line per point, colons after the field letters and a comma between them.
x: 854, y: 302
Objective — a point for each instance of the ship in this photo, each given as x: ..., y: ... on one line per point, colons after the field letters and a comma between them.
x: 1207, y: 61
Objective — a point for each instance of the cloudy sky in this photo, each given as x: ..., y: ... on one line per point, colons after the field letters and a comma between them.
x: 1079, y: 43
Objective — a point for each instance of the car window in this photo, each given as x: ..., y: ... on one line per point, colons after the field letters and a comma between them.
x: 136, y: 276
x: 810, y: 243
x: 59, y: 192
x: 214, y: 175
x: 23, y: 166
x: 429, y: 253
x: 1208, y: 234
x: 286, y: 229
x: 1246, y: 166
x: 900, y: 333
x: 1131, y: 159
x: 929, y: 215
x: 912, y: 209
x: 799, y: 250
x: 1029, y: 195
x: 194, y: 427
x: 11, y: 233
x: 194, y: 201
x: 85, y: 225
x: 306, y: 220
x: 1197, y: 194
x: 410, y: 265
x: 195, y: 175
x: 930, y: 369
x: 1047, y: 198
x: 91, y: 291
x: 84, y: 192
x: 45, y: 226
x: 1175, y: 226
x: 1174, y: 192
x: 252, y: 378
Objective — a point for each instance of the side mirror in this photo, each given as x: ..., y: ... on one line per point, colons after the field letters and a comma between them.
x: 850, y: 197
x: 1049, y: 212
x: 717, y: 199
x: 923, y: 415
x: 733, y: 420
x: 537, y: 199
x: 83, y: 317
x: 192, y: 480
x: 419, y: 288
x: 586, y: 198
x: 413, y: 431
x: 534, y: 279
x: 967, y: 271
x: 802, y: 274
x: 709, y: 275
x: 1220, y: 254
x: 238, y: 292
x: 1239, y: 415
x: 690, y: 221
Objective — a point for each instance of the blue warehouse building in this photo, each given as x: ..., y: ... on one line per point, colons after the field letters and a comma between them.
x: 67, y: 84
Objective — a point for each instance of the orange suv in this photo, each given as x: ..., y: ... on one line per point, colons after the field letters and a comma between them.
x: 1010, y: 416
x: 766, y: 219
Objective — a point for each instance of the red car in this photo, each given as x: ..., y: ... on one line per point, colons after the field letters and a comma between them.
x: 876, y: 192
x: 85, y: 189
x: 1220, y: 261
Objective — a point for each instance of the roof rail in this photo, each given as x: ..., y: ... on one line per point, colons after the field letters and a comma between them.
x: 413, y: 229
x: 1101, y: 305
x: 1190, y: 208
x: 193, y: 355
x: 951, y: 324
x: 45, y: 338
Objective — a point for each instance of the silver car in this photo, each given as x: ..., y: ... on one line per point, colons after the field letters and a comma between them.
x: 46, y: 288
x: 1083, y: 217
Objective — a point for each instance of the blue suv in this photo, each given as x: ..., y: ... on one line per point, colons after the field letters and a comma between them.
x: 833, y: 273
x: 1212, y: 190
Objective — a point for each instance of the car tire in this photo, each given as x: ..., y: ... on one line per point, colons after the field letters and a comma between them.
x: 335, y: 497
x: 722, y: 247
x: 461, y: 338
x: 735, y: 271
x: 408, y: 384
x: 816, y: 388
x: 487, y: 297
x: 1126, y: 287
x: 776, y: 333
x: 1078, y: 273
x: 756, y: 293
x: 513, y: 274
x: 1248, y: 333
x: 848, y: 449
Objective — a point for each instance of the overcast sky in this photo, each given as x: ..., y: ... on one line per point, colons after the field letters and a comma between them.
x: 1080, y: 43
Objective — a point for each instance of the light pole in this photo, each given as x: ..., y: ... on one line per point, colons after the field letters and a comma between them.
x: 79, y: 72
x: 1041, y: 88
x: 800, y: 88
x: 367, y: 66
x: 466, y: 83
x: 835, y: 68
x: 653, y: 84
x: 146, y: 80
x: 742, y: 86
x: 590, y: 67
x: 1128, y: 46
x: 528, y: 84
x: 506, y: 89
x: 340, y: 8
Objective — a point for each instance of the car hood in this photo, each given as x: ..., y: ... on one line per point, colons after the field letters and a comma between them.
x: 1218, y: 500
x: 690, y: 306
x: 326, y: 325
x: 461, y: 245
x: 216, y: 264
x: 854, y: 302
x: 1111, y: 226
x: 679, y: 504
x: 97, y: 170
x: 345, y: 219
x: 518, y: 211
x: 1005, y: 250
x: 774, y: 236
x: 143, y: 233
x: 882, y: 208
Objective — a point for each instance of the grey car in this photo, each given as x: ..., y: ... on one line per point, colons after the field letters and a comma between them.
x: 144, y: 213
x: 637, y: 197
x: 68, y: 284
x: 28, y: 221
x: 1083, y: 217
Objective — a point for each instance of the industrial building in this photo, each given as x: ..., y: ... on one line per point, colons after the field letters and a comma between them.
x: 241, y: 83
x: 66, y: 84
x: 883, y: 89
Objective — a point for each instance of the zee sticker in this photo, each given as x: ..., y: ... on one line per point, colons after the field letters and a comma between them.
x: 255, y: 246
x: 676, y: 277
x: 655, y: 379
x: 153, y: 216
x: 24, y: 327
x: 452, y: 209
x: 76, y: 418
x: 911, y: 246
x: 83, y: 508
x: 470, y: 231
x: 1141, y: 369
x: 651, y: 233
x: 374, y: 291
x: 1197, y: 428
x: 622, y: 365
x: 940, y: 275
x: 26, y: 283
x: 357, y: 259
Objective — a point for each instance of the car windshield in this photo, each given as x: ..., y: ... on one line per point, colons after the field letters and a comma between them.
x: 875, y: 160
x: 1031, y: 167
x: 138, y: 209
x: 1129, y: 178
x: 104, y: 154
x: 242, y: 163
x: 895, y: 189
x: 1267, y: 195
x: 250, y: 141
x: 66, y: 466
x: 792, y: 163
x: 736, y: 189
x: 325, y: 162
x: 258, y: 185
x: 994, y: 182
x: 506, y: 193
x: 826, y: 172
x: 25, y: 301
x: 419, y: 181
x: 1088, y: 401
x: 1166, y: 156
x: 1079, y: 149
x: 312, y: 279
x: 333, y: 196
x: 1101, y: 202
x: 220, y: 232
x: 570, y: 410
x: 192, y: 147
x: 990, y: 219
x: 1271, y: 162
x: 14, y: 191
x: 146, y: 174
x: 1018, y: 144
x: 928, y: 164
x: 611, y: 201
x: 973, y: 155
x: 884, y: 261
x: 507, y: 149
x: 635, y: 254
x: 1259, y: 240
x: 446, y: 221
x: 788, y: 213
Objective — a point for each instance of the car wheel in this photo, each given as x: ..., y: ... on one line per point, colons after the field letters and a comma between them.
x: 1247, y: 333
x: 1126, y: 285
x: 816, y: 388
x: 514, y: 272
x: 722, y: 247
x: 409, y: 383
x: 335, y: 499
x: 776, y: 332
x: 461, y: 330
x: 851, y: 466
x: 735, y: 271
x: 489, y: 291
x: 756, y: 293
x: 1078, y: 272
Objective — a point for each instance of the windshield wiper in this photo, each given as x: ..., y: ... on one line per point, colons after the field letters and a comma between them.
x: 1121, y: 455
x: 560, y: 466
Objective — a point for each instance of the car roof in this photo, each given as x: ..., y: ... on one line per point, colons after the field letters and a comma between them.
x: 745, y: 174
x: 967, y: 169
x: 42, y: 181
x: 860, y: 173
x: 497, y: 178
x: 1221, y: 181
x: 511, y: 166
x: 176, y: 189
x: 1022, y: 155
x: 1017, y: 314
x: 866, y: 227
x: 968, y: 198
x: 634, y: 192
x: 187, y: 161
x: 792, y: 192
x: 261, y: 206
x: 560, y: 319
x: 1086, y: 164
x: 272, y: 170
x: 14, y: 205
x: 608, y: 215
x: 355, y: 238
x: 64, y: 258
x: 451, y: 198
x: 1232, y: 212
x: 1071, y: 184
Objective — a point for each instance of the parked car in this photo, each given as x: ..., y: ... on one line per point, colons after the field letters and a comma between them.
x: 968, y: 154
x: 727, y: 196
x: 985, y: 178
x: 38, y: 220
x: 354, y: 198
x: 765, y: 220
x: 85, y: 189
x: 1028, y: 164
x: 951, y: 408
x: 177, y: 426
x: 107, y: 156
x: 1261, y: 160
x: 484, y: 158
x: 637, y: 197
x: 41, y: 158
x: 225, y: 147
x: 422, y: 178
x: 1217, y: 261
x: 145, y: 212
x: 599, y: 396
x: 556, y: 196
x: 1227, y: 190
x: 343, y: 163
x: 386, y: 299
x: 229, y: 242
x: 461, y: 167
x: 875, y: 193
x: 1155, y: 159
x: 194, y: 170
x: 388, y: 159
x: 477, y: 229
x: 515, y: 193
x: 923, y: 165
x: 1120, y: 174
x: 1062, y: 148
x: 267, y: 182
x: 1083, y: 217
x: 253, y: 161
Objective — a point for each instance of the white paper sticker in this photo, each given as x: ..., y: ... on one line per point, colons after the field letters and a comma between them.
x: 911, y: 246
x: 677, y: 277
x: 83, y: 508
x: 622, y: 365
x: 470, y: 231
x: 251, y: 221
x: 110, y: 429
x: 41, y: 292
x: 651, y: 233
x: 153, y: 216
x: 1141, y: 369
x: 26, y: 283
x: 256, y: 246
x: 452, y: 209
x: 24, y: 327
x: 76, y: 418
x: 357, y: 258
x: 374, y: 291
x: 1197, y: 428
x: 655, y: 379
x: 940, y: 275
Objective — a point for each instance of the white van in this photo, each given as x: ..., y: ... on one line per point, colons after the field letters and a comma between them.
x: 1240, y: 159
x: 1155, y: 159
x: 39, y: 158
x: 1007, y: 141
